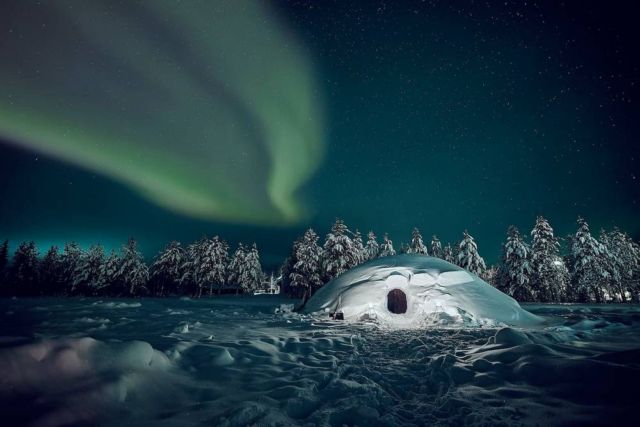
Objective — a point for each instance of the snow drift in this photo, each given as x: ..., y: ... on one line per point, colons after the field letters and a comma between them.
x: 415, y: 291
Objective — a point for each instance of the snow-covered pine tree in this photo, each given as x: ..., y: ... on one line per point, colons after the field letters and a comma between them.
x: 417, y: 245
x: 212, y: 266
x: 70, y: 259
x: 166, y: 270
x: 251, y: 272
x: 447, y: 254
x: 87, y: 278
x: 24, y: 269
x: 514, y: 273
x: 590, y: 276
x: 189, y: 269
x: 305, y: 275
x: 468, y: 256
x: 236, y: 267
x: 109, y: 272
x: 286, y: 269
x: 436, y: 247
x: 455, y: 251
x: 221, y: 262
x: 133, y: 272
x: 550, y: 276
x: 358, y: 247
x: 612, y: 266
x: 51, y: 272
x: 372, y: 249
x: 204, y: 266
x: 4, y: 260
x: 339, y: 253
x: 386, y: 248
x: 624, y: 260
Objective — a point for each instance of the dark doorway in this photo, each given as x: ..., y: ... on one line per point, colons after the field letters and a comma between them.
x: 397, y: 301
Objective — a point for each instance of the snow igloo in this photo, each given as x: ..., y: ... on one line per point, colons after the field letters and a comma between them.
x: 416, y: 291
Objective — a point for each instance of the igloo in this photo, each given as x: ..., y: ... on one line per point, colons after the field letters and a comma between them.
x: 416, y: 291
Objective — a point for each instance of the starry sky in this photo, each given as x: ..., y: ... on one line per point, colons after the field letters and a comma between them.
x: 144, y: 119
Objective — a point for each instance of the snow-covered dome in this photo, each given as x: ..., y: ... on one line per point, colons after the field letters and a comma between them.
x: 415, y: 291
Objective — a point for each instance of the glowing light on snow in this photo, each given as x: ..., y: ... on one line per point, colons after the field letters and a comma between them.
x: 209, y: 109
x: 415, y: 291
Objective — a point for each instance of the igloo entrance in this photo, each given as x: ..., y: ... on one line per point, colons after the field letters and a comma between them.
x: 397, y: 301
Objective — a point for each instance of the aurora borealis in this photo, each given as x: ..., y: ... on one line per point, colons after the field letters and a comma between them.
x: 153, y: 95
x: 253, y: 120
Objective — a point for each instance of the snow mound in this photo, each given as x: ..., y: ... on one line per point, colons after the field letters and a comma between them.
x: 76, y: 381
x: 415, y: 291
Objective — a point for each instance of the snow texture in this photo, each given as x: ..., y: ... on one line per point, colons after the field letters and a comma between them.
x: 232, y: 361
x: 437, y: 293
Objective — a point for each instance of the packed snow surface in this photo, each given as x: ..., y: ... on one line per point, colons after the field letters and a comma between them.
x: 236, y: 361
x: 434, y: 292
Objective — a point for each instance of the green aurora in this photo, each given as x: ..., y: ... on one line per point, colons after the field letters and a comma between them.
x: 209, y: 110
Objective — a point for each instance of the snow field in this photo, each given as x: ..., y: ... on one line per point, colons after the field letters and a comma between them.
x: 233, y: 361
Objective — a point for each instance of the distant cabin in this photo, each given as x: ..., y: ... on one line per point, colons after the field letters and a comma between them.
x: 270, y: 286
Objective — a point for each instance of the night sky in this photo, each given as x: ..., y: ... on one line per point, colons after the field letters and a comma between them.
x: 441, y: 115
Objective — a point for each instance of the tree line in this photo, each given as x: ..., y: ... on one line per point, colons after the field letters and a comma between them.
x: 589, y: 270
x: 202, y: 268
x: 584, y: 269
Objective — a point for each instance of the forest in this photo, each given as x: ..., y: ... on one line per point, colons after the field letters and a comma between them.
x: 578, y: 268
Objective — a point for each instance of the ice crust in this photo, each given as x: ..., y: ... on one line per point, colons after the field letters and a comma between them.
x: 437, y: 292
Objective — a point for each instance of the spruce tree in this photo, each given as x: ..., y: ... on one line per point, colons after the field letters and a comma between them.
x: 624, y: 261
x: 436, y: 247
x: 468, y: 256
x: 87, y: 277
x: 358, y: 247
x: 236, y: 268
x: 417, y: 245
x: 109, y: 273
x: 189, y: 269
x: 212, y: 265
x: 70, y: 259
x: 455, y: 251
x: 204, y: 266
x: 51, y: 272
x: 166, y: 270
x: 305, y: 276
x: 220, y: 263
x: 24, y: 270
x: 447, y: 254
x: 372, y: 249
x: 339, y: 253
x: 386, y: 249
x: 590, y: 277
x: 133, y: 273
x: 251, y: 275
x: 286, y: 269
x: 550, y: 275
x: 514, y: 274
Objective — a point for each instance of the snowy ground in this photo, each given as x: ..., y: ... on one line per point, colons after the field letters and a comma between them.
x: 233, y: 361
